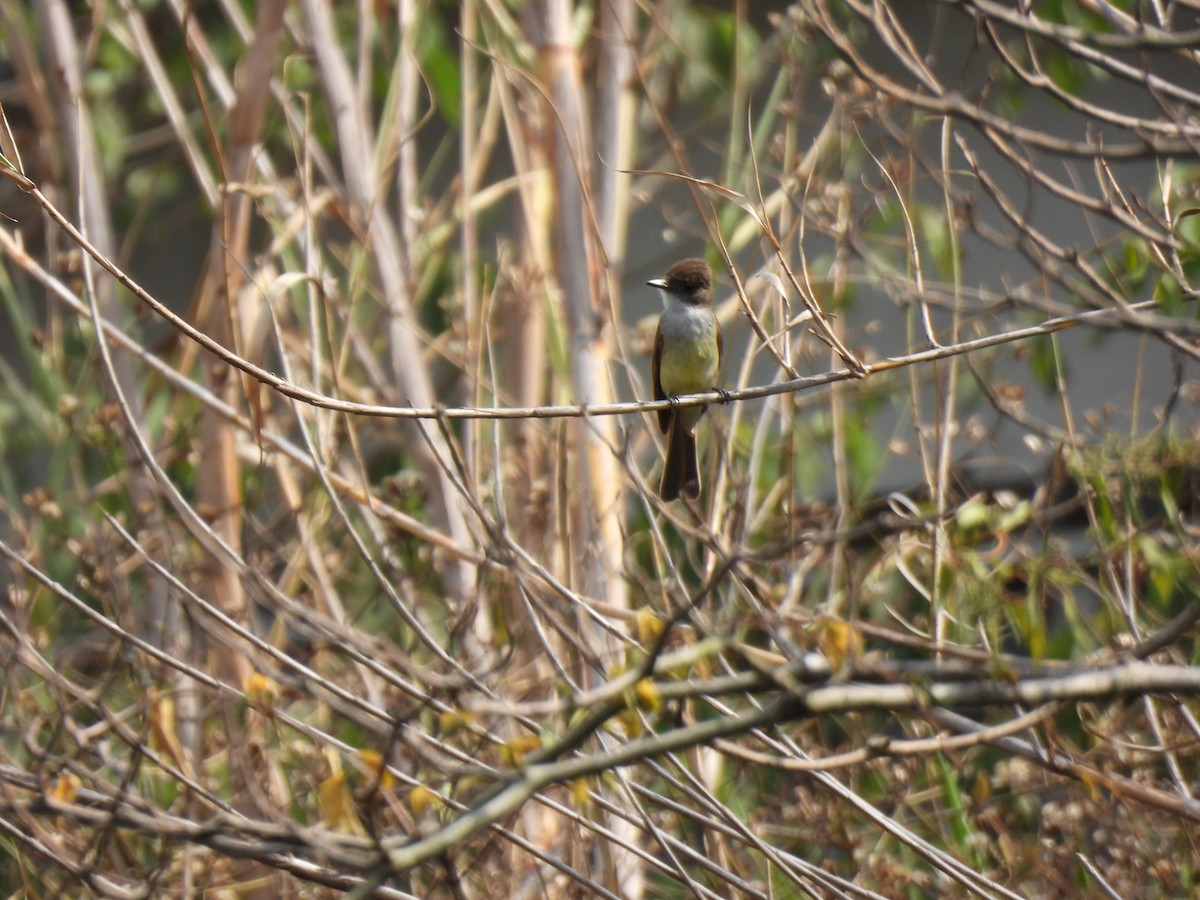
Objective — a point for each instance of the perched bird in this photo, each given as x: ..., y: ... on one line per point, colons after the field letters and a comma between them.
x: 687, y: 360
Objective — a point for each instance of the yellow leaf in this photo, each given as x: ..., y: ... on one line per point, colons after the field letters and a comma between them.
x: 374, y: 761
x: 838, y: 640
x: 981, y: 792
x: 336, y: 805
x: 648, y: 696
x: 648, y: 625
x: 630, y: 721
x: 513, y: 753
x: 579, y: 792
x: 65, y: 788
x: 1008, y: 851
x: 162, y: 732
x: 453, y: 721
x: 422, y: 800
x: 260, y: 689
x: 1092, y: 784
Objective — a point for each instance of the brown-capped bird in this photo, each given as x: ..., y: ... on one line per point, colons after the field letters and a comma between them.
x: 687, y: 360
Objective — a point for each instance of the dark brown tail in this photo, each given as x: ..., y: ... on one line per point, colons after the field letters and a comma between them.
x: 681, y: 474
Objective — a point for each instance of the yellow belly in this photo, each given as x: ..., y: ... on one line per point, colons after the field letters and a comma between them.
x: 688, y: 365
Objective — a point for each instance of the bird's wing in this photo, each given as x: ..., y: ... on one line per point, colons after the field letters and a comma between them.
x: 664, y: 415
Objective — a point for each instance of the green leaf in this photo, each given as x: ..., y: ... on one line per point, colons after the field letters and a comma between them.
x: 441, y: 68
x: 1044, y: 363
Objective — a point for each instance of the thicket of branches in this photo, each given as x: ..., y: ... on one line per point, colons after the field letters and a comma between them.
x: 336, y: 563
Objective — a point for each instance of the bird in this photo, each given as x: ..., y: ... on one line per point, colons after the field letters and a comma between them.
x: 687, y: 360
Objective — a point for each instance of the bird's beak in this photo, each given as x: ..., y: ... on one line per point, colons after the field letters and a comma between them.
x: 659, y: 283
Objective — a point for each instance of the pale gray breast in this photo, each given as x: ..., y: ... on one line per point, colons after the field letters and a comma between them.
x: 689, y: 354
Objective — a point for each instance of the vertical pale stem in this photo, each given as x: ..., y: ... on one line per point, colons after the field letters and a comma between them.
x: 946, y: 424
x: 612, y: 123
x: 595, y: 508
x: 595, y: 505
x: 218, y: 480
x: 472, y: 327
x: 391, y: 254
